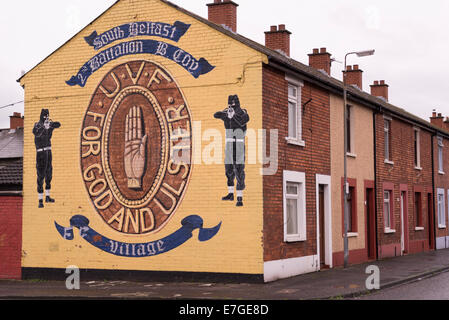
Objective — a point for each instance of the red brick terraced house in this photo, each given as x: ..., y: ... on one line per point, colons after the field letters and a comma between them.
x: 441, y: 179
x: 294, y: 232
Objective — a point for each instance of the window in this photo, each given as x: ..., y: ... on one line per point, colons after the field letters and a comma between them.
x: 294, y: 112
x: 387, y: 135
x: 352, y: 212
x: 416, y: 148
x: 440, y: 155
x: 294, y: 207
x: 387, y: 209
x: 418, y: 209
x: 441, y: 209
x: 349, y: 126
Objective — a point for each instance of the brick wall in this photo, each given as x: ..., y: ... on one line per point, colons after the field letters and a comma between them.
x: 441, y: 182
x: 10, y: 237
x: 312, y: 159
x: 402, y: 172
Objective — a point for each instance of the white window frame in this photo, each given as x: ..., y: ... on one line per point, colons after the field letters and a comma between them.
x: 298, y: 84
x: 388, y: 229
x: 440, y: 155
x: 441, y: 215
x: 351, y: 152
x: 417, y: 132
x: 388, y: 140
x: 299, y: 178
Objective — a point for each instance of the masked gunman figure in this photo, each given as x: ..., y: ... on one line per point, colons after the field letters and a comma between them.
x: 235, y: 120
x: 43, y: 131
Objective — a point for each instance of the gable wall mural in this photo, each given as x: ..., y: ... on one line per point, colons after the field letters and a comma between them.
x: 128, y: 167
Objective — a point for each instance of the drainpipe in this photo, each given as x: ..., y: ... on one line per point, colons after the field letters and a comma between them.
x: 435, y: 228
x: 375, y: 179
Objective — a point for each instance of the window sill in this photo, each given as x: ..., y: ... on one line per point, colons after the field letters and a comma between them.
x: 295, y: 142
x: 441, y: 226
x: 351, y: 155
x: 352, y: 235
x: 419, y: 229
x: 418, y: 168
x: 389, y: 231
x: 389, y: 162
x: 294, y: 239
x: 441, y: 172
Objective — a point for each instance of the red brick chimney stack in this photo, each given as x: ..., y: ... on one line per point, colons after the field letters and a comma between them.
x: 320, y: 59
x: 16, y: 121
x: 446, y: 124
x: 354, y: 76
x: 380, y: 89
x: 223, y: 12
x: 278, y: 39
x: 438, y: 120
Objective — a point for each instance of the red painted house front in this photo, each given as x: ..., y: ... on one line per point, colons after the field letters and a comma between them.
x: 10, y: 237
x: 405, y: 217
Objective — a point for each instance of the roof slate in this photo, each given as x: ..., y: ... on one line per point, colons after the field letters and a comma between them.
x: 11, y: 172
x: 11, y: 143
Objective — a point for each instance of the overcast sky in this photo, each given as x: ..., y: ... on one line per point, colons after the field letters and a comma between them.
x: 410, y: 37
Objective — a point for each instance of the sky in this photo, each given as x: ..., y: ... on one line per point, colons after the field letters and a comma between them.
x: 410, y: 38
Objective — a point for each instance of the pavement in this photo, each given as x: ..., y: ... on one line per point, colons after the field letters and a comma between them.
x: 338, y: 283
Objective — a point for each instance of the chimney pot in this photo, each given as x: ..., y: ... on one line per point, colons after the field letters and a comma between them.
x: 380, y: 89
x: 438, y: 120
x: 278, y: 39
x: 320, y: 59
x: 16, y: 121
x: 353, y: 76
x: 223, y: 13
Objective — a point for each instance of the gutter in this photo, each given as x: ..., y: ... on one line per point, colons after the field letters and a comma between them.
x: 11, y: 193
x: 337, y: 89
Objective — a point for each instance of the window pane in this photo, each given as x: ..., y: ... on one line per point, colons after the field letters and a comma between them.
x: 292, y: 120
x: 292, y: 188
x: 440, y: 159
x: 387, y: 145
x: 292, y: 91
x: 441, y: 217
x: 292, y: 216
x: 387, y: 209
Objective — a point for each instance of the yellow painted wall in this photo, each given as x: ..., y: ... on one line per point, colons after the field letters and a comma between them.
x: 237, y: 248
x: 360, y: 167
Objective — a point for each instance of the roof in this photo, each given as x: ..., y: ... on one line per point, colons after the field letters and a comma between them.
x: 309, y: 73
x: 11, y: 143
x: 11, y: 172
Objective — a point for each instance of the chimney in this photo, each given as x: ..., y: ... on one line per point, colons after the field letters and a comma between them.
x: 380, y: 89
x: 437, y: 120
x: 321, y: 60
x: 278, y: 39
x: 224, y: 12
x: 354, y: 76
x: 16, y: 121
x: 446, y: 124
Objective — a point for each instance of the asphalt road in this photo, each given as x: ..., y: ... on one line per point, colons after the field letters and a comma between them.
x: 431, y: 288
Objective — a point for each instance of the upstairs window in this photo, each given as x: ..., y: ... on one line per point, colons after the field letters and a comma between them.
x: 440, y: 155
x: 417, y: 148
x: 387, y: 136
x: 294, y: 112
x: 349, y: 128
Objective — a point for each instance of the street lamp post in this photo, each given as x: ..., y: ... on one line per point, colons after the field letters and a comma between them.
x: 346, y: 186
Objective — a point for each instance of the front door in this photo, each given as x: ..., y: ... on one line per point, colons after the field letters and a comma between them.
x: 404, y: 223
x: 370, y: 224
